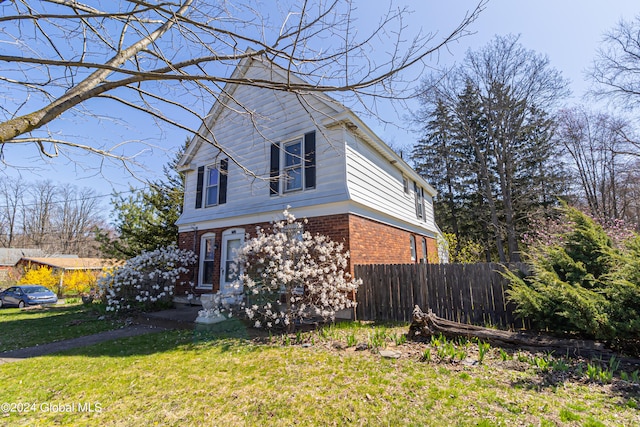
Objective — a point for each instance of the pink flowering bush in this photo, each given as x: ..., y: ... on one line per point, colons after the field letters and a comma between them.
x: 290, y: 275
x: 145, y: 282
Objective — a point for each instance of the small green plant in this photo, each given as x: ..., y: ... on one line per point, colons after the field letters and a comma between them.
x: 400, y: 339
x: 442, y: 352
x: 559, y: 365
x: 483, y: 349
x: 437, y: 340
x: 605, y: 376
x: 614, y: 364
x: 541, y: 362
x: 504, y: 355
x: 299, y: 339
x: 635, y: 377
x: 592, y: 371
x: 426, y: 355
x: 377, y: 339
x: 624, y: 376
x: 352, y: 341
x: 324, y: 333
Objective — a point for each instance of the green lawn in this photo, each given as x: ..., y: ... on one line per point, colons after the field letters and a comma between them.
x: 222, y: 377
x: 21, y: 328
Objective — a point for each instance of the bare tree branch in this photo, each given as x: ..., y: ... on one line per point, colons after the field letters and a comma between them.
x: 142, y: 55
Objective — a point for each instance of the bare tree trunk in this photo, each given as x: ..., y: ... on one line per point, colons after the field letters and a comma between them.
x: 424, y: 325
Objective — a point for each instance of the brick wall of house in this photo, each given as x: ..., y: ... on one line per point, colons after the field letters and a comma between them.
x: 377, y: 243
x: 369, y: 242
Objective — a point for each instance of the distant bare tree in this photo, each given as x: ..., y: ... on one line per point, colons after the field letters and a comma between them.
x: 37, y: 213
x: 616, y: 68
x: 77, y: 214
x: 170, y: 60
x: 48, y: 216
x: 601, y: 158
x: 10, y: 201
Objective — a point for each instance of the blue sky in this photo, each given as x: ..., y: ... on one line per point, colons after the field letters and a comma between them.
x: 567, y: 31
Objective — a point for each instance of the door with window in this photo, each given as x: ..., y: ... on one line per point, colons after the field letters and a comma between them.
x: 232, y: 240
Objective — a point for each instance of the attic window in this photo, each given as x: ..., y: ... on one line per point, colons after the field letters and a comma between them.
x: 405, y: 184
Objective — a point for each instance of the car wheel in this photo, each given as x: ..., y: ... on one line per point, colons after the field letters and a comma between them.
x: 1, y: 303
x: 21, y: 304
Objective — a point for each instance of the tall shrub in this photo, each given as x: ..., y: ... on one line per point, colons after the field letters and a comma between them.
x: 77, y: 282
x: 41, y: 276
x: 290, y: 275
x: 145, y: 282
x: 582, y: 283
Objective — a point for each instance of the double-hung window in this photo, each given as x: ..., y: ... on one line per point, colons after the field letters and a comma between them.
x: 207, y: 259
x: 212, y: 186
x: 412, y: 242
x: 292, y: 171
x: 424, y: 250
x: 293, y: 165
x: 419, y: 196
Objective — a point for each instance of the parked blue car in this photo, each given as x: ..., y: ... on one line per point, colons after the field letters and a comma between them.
x: 25, y: 295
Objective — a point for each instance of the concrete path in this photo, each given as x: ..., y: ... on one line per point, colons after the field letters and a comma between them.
x: 55, y: 347
x: 176, y: 318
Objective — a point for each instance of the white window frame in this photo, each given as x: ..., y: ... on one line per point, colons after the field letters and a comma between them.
x: 424, y: 250
x: 285, y: 169
x: 203, y: 258
x: 412, y: 242
x: 210, y: 168
x: 419, y: 202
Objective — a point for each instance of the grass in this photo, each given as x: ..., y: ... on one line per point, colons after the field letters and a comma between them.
x: 34, y: 326
x: 219, y: 376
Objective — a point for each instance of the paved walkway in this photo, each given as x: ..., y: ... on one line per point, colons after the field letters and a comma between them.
x: 177, y: 318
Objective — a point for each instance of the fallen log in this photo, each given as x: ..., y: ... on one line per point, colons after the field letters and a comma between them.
x: 424, y: 325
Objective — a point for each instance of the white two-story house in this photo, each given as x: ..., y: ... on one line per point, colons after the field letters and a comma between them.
x: 273, y: 149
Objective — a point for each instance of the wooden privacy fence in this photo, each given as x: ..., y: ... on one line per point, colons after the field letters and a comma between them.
x: 466, y: 293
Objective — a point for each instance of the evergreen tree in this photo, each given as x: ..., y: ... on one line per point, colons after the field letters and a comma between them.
x: 582, y: 283
x: 495, y: 109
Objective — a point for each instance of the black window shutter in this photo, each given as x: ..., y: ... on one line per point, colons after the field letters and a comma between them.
x: 222, y: 194
x: 310, y: 160
x: 275, y: 170
x: 199, y: 187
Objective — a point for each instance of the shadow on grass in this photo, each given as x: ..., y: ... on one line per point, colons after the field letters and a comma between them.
x: 226, y: 335
x: 40, y: 325
x: 577, y: 371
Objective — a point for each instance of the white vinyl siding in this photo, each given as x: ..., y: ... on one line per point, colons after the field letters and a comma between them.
x: 351, y: 176
x: 375, y: 182
x: 287, y: 120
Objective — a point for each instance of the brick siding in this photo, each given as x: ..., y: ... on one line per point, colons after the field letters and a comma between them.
x: 369, y: 242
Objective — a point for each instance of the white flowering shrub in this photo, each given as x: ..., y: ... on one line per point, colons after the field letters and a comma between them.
x: 145, y: 282
x: 290, y: 275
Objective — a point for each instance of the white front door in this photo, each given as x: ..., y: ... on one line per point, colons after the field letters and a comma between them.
x: 232, y: 240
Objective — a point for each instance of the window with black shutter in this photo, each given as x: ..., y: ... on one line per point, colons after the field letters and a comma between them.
x: 293, y: 163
